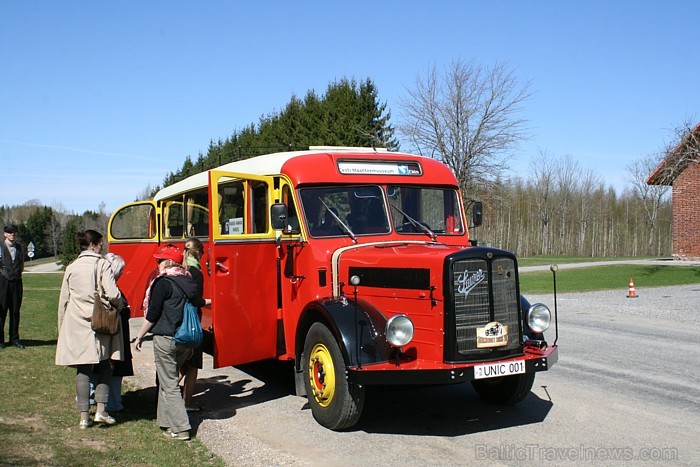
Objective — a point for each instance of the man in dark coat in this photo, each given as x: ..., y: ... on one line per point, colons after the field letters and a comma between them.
x: 11, y: 268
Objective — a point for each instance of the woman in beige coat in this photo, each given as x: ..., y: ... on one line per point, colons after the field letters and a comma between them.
x: 78, y: 345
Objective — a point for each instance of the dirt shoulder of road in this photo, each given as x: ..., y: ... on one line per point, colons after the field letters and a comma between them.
x: 44, y: 267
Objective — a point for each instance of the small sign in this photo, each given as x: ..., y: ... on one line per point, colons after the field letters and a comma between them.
x: 30, y: 254
x: 493, y: 334
x: 234, y: 225
x: 378, y: 168
x: 30, y: 248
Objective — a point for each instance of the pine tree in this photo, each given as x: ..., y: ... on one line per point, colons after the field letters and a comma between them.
x: 349, y: 114
x: 71, y: 249
x: 36, y: 230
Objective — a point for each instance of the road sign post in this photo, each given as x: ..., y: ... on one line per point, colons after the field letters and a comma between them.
x: 30, y: 251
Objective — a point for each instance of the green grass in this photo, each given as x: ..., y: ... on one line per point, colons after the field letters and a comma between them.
x: 562, y: 259
x: 38, y: 418
x: 607, y: 277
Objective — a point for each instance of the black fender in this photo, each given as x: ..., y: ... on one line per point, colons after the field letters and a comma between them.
x: 527, y: 332
x: 358, y: 328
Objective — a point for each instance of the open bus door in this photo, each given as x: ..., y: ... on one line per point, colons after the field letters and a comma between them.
x: 133, y: 235
x: 241, y: 267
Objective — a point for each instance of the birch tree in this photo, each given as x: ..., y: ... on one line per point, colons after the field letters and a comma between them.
x: 651, y: 197
x: 542, y: 174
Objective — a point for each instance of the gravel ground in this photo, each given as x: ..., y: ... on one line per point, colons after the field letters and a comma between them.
x: 217, y: 426
x: 680, y: 304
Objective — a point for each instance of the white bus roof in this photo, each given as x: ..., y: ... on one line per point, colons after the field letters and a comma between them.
x: 268, y: 164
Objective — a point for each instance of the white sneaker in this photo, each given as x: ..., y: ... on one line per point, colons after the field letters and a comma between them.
x: 105, y: 418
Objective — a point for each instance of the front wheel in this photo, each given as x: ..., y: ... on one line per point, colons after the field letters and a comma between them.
x: 506, y: 390
x: 335, y: 402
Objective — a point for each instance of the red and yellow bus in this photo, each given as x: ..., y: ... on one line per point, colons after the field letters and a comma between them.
x: 356, y: 264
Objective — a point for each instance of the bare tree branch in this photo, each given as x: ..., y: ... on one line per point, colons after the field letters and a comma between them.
x: 468, y: 118
x: 682, y: 151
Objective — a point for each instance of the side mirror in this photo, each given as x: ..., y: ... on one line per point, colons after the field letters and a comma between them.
x: 278, y: 216
x: 477, y: 213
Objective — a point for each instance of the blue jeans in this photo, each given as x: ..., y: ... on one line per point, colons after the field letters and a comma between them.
x: 115, y: 395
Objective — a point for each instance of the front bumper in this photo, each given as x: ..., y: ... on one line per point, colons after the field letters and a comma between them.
x: 423, y: 372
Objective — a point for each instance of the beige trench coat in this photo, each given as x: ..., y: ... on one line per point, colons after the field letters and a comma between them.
x: 77, y: 342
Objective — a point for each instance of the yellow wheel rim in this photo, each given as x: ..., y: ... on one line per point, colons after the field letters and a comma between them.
x: 322, y: 375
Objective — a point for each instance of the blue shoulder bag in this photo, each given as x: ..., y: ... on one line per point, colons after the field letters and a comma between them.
x: 189, y: 334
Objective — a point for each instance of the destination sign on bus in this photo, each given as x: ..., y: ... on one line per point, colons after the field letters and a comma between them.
x: 378, y: 168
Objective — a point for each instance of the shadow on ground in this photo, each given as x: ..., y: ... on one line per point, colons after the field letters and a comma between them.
x: 451, y: 410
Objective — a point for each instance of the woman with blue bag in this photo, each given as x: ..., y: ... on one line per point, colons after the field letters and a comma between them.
x: 165, y: 302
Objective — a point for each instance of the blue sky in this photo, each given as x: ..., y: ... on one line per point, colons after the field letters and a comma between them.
x: 100, y: 99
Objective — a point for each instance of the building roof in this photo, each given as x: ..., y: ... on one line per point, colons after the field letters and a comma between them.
x: 677, y: 160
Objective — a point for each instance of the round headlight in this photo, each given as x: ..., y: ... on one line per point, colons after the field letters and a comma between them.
x: 539, y: 317
x: 399, y: 330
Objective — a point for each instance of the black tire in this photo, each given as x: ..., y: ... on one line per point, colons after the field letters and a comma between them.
x: 506, y: 390
x: 335, y: 403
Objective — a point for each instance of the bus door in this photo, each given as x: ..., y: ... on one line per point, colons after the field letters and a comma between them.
x: 242, y: 268
x: 133, y: 235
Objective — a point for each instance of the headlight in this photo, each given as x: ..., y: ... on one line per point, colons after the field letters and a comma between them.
x: 399, y: 330
x: 539, y: 317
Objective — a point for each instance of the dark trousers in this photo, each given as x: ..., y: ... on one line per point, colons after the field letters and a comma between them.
x: 10, y: 300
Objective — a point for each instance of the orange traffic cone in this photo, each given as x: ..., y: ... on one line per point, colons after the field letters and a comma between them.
x: 632, y: 293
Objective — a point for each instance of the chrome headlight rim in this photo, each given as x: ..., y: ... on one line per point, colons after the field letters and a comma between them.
x: 539, y: 317
x: 399, y: 330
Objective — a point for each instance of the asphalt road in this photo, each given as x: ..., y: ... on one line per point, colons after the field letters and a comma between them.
x: 626, y: 389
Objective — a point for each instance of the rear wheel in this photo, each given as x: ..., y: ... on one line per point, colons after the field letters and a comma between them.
x: 335, y: 402
x: 506, y: 390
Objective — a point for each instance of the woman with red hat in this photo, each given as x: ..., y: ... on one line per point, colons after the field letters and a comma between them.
x: 164, y: 304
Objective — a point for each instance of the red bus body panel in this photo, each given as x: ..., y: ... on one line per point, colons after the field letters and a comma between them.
x: 248, y: 321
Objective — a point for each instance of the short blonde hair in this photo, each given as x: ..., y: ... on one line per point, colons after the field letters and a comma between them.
x: 117, y: 264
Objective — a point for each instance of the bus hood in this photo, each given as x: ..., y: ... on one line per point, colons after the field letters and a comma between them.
x: 387, y: 268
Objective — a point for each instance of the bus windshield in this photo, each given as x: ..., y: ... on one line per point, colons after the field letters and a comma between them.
x: 345, y: 210
x: 362, y: 210
x: 417, y: 208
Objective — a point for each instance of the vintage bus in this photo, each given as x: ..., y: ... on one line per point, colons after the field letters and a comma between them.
x: 356, y: 264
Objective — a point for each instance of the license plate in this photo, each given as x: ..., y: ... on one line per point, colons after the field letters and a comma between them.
x: 494, y: 370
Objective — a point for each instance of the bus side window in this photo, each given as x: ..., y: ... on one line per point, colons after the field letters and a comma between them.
x: 259, y: 206
x: 197, y: 210
x: 292, y: 216
x: 134, y: 222
x: 173, y: 219
x: 231, y: 208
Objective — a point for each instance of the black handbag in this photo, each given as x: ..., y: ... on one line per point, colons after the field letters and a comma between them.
x: 105, y: 318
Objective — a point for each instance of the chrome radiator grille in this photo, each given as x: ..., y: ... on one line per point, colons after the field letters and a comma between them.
x: 484, y: 294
